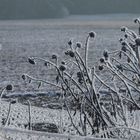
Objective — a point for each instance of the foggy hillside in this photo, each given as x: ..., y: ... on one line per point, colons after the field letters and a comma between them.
x: 20, y: 9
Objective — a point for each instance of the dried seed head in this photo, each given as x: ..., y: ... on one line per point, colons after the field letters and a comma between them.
x: 123, y: 43
x: 92, y: 34
x: 70, y: 43
x: 31, y: 61
x: 120, y: 40
x: 9, y: 87
x: 62, y: 68
x: 101, y: 103
x: 123, y: 29
x: 78, y: 44
x: 126, y: 36
x: 71, y: 54
x: 105, y: 54
x: 102, y: 60
x: 119, y: 67
x: 79, y: 74
x: 137, y: 41
x: 137, y: 20
x: 123, y: 48
x: 23, y: 77
x: 100, y: 67
x: 54, y: 56
x: 63, y: 62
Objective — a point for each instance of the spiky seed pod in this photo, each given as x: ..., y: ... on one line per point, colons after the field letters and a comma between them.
x: 100, y: 67
x: 54, y: 56
x: 31, y: 61
x: 123, y: 48
x: 70, y: 42
x: 105, y: 54
x: 71, y: 54
x: 62, y: 68
x: 23, y: 77
x: 123, y: 29
x: 78, y: 44
x: 92, y: 34
x: 9, y: 87
x: 137, y: 41
x: 102, y: 60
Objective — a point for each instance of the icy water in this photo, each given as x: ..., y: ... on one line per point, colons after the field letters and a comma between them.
x: 23, y: 38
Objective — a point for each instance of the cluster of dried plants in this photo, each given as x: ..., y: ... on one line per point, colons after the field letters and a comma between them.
x: 105, y: 95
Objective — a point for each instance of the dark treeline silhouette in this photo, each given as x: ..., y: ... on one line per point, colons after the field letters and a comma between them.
x: 20, y: 9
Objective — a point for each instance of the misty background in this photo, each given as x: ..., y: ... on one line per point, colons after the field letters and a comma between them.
x: 41, y: 9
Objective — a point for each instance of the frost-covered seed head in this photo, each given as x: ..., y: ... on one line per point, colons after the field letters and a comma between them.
x: 123, y: 29
x: 70, y: 43
x: 102, y: 60
x: 137, y: 20
x: 105, y: 54
x: 101, y: 67
x: 120, y: 40
x: 63, y: 63
x: 23, y: 77
x: 71, y: 54
x: 31, y: 61
x: 92, y: 34
x: 126, y: 36
x: 78, y: 44
x: 137, y: 41
x: 9, y: 87
x: 124, y: 48
x: 62, y: 68
x: 54, y: 56
x: 123, y: 43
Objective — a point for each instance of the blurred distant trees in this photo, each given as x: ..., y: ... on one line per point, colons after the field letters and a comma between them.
x: 10, y: 9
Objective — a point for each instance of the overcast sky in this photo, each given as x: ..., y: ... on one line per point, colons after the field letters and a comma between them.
x: 30, y: 9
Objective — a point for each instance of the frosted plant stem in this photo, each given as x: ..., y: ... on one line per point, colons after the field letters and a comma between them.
x: 29, y: 111
x: 8, y: 115
x: 86, y: 50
